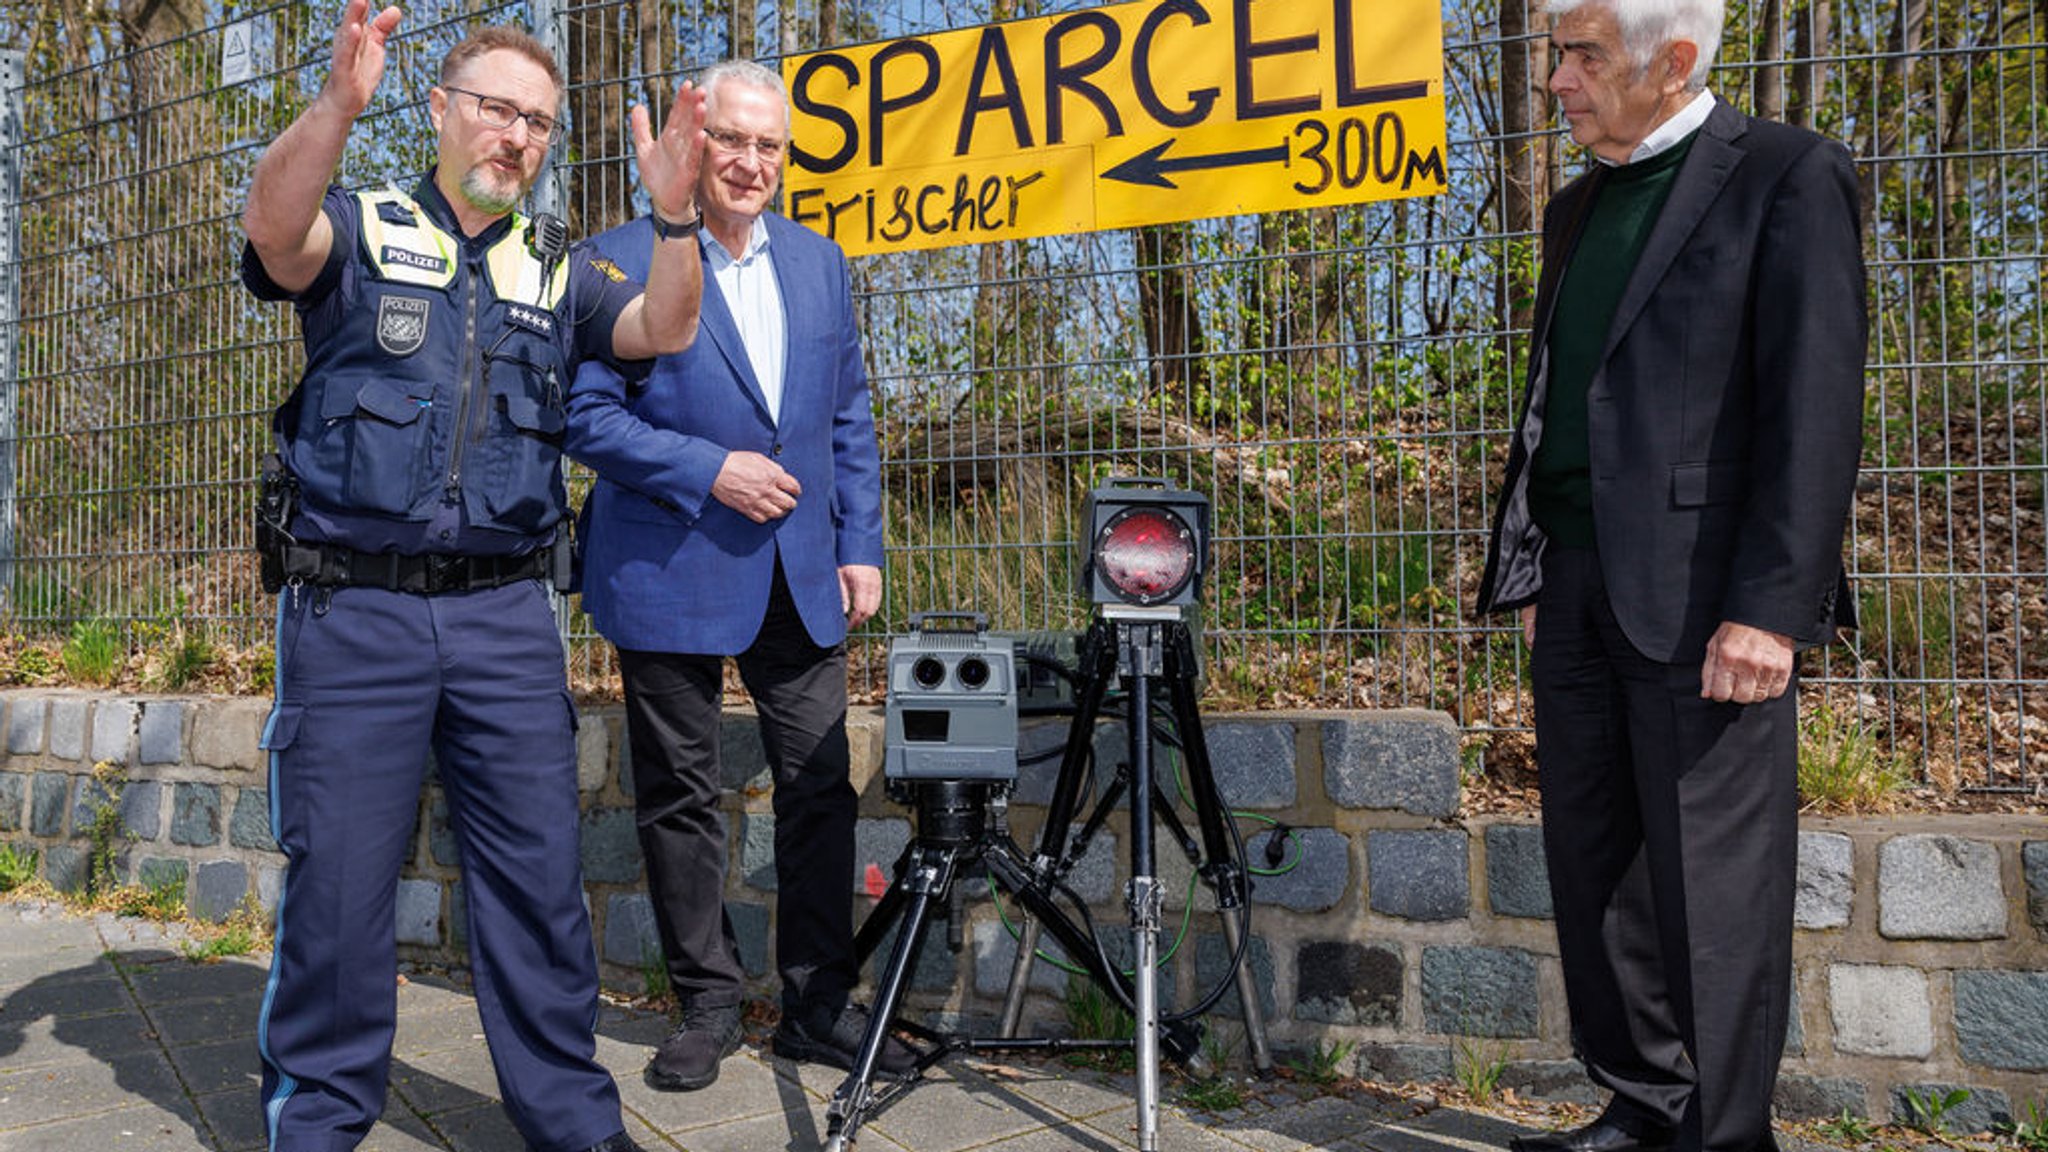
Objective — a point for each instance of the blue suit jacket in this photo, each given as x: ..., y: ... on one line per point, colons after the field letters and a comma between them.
x: 668, y: 568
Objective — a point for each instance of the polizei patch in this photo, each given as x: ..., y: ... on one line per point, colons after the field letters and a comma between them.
x: 402, y: 324
x: 407, y: 258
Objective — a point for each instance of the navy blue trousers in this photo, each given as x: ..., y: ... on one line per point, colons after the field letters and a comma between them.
x: 367, y: 682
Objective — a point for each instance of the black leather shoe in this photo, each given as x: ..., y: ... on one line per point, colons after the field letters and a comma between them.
x: 821, y: 1036
x: 618, y: 1142
x: 1602, y: 1135
x: 688, y: 1059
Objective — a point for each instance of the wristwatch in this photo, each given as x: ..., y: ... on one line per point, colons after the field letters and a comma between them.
x: 663, y: 230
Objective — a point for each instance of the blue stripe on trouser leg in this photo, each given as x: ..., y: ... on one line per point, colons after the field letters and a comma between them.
x: 363, y: 689
x: 506, y: 750
x: 356, y: 696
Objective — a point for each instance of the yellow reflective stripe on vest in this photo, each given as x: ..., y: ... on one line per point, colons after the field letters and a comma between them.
x: 418, y: 254
x: 516, y: 271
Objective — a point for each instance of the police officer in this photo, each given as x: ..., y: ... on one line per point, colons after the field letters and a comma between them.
x: 441, y: 328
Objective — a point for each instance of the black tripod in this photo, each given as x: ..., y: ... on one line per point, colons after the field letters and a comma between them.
x: 959, y: 823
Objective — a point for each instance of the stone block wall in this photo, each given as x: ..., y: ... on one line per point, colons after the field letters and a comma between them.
x: 1381, y: 915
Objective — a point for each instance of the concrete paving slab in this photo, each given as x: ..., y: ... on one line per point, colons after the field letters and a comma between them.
x: 1175, y: 1132
x: 175, y: 979
x: 140, y: 1127
x: 1078, y: 1096
x: 964, y: 1113
x: 203, y: 1021
x: 234, y: 1117
x: 87, y: 1088
x: 1444, y: 1130
x: 746, y: 1087
x: 453, y: 1025
x: 94, y: 995
x: 47, y: 1040
x: 447, y: 1081
x: 217, y: 1067
x: 482, y: 1128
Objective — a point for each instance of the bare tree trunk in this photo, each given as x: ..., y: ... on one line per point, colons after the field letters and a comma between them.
x: 596, y: 52
x: 1173, y: 332
x: 1770, y: 78
x: 1810, y: 74
x: 740, y: 30
x: 828, y: 23
x: 786, y: 26
x: 1525, y: 146
x: 654, y: 40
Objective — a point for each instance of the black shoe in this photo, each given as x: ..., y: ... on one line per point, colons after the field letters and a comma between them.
x: 821, y: 1036
x: 688, y: 1059
x: 1602, y: 1135
x: 617, y: 1142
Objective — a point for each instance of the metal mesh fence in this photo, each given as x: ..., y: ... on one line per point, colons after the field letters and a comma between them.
x: 1341, y: 382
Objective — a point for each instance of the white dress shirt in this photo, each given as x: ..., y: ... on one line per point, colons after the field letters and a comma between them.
x: 755, y: 300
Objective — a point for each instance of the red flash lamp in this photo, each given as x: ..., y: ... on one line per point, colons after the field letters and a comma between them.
x: 1146, y: 544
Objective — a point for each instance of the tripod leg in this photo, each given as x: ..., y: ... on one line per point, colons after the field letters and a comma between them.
x: 1020, y: 977
x: 929, y: 873
x: 1224, y: 872
x: 1140, y: 652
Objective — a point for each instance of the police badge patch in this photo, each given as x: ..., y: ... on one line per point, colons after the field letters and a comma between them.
x: 402, y: 324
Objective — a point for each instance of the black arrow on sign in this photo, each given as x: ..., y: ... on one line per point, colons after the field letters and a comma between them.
x: 1151, y: 166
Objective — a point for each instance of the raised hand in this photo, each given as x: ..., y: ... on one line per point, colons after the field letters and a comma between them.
x: 669, y: 162
x: 359, y: 55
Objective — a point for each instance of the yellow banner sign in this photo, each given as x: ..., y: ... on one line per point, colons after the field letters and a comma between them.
x: 1137, y: 113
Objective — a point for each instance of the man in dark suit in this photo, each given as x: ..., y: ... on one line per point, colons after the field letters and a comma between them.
x: 738, y: 513
x: 1670, y: 528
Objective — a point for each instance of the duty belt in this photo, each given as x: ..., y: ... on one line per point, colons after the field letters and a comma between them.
x: 327, y: 565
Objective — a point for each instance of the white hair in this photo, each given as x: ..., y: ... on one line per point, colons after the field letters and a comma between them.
x: 1647, y: 25
x: 745, y: 72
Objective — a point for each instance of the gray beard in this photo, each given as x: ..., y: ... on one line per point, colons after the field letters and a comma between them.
x: 476, y: 189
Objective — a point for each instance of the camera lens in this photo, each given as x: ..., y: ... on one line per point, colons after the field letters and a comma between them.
x: 973, y: 672
x: 928, y: 672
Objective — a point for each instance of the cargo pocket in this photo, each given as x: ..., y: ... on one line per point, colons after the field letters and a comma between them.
x: 523, y: 475
x: 370, y: 452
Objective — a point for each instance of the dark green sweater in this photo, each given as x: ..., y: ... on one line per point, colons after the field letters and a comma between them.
x: 1618, y: 225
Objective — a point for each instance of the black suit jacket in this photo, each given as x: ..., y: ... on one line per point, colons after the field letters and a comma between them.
x: 1725, y: 419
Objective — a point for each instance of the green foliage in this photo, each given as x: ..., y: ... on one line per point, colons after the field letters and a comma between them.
x: 178, y: 660
x: 2029, y: 1130
x: 1842, y: 766
x: 17, y: 865
x: 103, y: 832
x: 161, y: 899
x: 1849, y: 1128
x: 94, y: 653
x: 1478, y: 1067
x: 1324, y: 1063
x: 244, y: 931
x: 653, y: 971
x: 32, y: 665
x: 1215, y: 1094
x: 1093, y: 1014
x: 1928, y: 1112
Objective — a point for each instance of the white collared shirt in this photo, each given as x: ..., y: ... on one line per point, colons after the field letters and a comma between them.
x: 755, y: 300
x: 1683, y: 123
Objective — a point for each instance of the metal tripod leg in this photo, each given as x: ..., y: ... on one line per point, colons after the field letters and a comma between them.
x: 927, y: 877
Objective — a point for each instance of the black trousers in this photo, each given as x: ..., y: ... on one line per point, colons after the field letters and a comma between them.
x: 1670, y: 824
x: 672, y: 723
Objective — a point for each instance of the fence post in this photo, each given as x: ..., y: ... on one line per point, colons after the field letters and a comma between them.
x: 547, y: 25
x: 13, y: 85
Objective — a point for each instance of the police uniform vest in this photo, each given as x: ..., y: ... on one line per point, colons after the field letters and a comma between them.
x: 439, y: 379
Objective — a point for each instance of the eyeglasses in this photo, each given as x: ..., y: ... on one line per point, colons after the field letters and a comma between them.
x: 502, y: 114
x: 734, y: 143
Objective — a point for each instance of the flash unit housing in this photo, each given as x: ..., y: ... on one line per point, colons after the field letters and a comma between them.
x: 1145, y: 543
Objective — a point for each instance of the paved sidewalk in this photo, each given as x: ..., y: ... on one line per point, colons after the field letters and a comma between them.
x: 111, y: 1040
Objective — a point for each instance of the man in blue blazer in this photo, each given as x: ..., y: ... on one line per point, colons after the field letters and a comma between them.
x: 737, y: 513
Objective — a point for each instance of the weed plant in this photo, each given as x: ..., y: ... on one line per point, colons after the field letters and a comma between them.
x: 17, y: 866
x: 1478, y: 1067
x: 1842, y: 767
x: 94, y: 654
x: 1324, y: 1063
